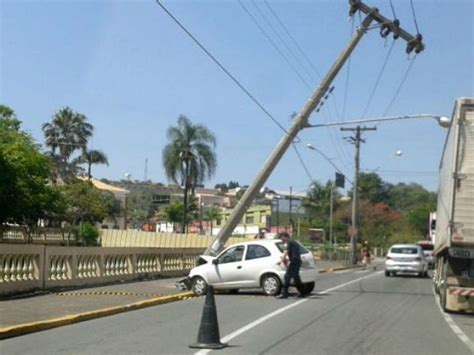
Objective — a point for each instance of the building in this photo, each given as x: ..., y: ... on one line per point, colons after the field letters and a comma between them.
x: 120, y: 194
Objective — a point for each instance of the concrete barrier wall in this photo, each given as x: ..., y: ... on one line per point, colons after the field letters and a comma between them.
x: 131, y: 238
x: 31, y: 267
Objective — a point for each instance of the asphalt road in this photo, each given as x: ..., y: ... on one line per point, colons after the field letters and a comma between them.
x: 351, y: 312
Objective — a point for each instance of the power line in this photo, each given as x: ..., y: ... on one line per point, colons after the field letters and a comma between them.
x: 232, y: 77
x: 274, y: 45
x: 393, y: 9
x: 221, y: 66
x: 399, y: 86
x: 302, y: 162
x: 414, y: 16
x: 369, y: 101
x: 293, y: 39
x: 281, y: 39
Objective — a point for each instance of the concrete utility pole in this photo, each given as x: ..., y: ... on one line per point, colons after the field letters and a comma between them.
x: 301, y: 120
x: 356, y: 140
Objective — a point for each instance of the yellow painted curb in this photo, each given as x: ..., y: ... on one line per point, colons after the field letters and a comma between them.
x: 27, y: 328
x: 340, y: 268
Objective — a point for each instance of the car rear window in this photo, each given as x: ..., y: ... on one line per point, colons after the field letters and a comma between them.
x: 404, y: 250
x: 282, y: 247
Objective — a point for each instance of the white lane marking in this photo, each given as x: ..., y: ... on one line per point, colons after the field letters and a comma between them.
x: 256, y: 322
x: 454, y: 327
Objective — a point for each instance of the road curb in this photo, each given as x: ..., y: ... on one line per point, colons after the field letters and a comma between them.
x: 339, y: 268
x: 27, y: 328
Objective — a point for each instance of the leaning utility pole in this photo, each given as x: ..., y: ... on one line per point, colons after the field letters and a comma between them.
x: 356, y: 140
x: 414, y: 43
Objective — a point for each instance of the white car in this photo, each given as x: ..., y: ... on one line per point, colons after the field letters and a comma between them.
x: 406, y: 258
x: 254, y: 264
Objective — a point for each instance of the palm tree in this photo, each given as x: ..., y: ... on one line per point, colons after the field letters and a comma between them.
x: 67, y: 132
x: 189, y: 157
x: 91, y: 157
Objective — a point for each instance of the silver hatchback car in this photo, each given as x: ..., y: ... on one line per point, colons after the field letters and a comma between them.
x: 407, y: 258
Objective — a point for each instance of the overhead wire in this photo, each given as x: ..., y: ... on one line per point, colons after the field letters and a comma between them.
x: 282, y: 41
x: 221, y: 66
x: 374, y: 89
x: 333, y: 137
x: 274, y: 45
x: 393, y: 9
x: 293, y: 39
x: 234, y: 79
x: 265, y: 33
x: 414, y: 16
x: 402, y: 82
x: 300, y: 158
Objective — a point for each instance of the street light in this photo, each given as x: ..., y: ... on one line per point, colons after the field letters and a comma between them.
x: 443, y: 121
x: 329, y: 160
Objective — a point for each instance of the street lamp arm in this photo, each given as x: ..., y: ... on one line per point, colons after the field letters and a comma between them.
x: 310, y: 146
x: 442, y: 120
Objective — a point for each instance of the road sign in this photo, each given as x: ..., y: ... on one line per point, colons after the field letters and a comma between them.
x: 352, y: 231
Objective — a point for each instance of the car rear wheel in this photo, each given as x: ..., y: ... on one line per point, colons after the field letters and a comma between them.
x: 271, y: 285
x: 387, y: 273
x: 308, y: 287
x: 199, y: 286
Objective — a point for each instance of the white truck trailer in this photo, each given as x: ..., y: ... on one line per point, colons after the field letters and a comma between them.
x: 454, y: 243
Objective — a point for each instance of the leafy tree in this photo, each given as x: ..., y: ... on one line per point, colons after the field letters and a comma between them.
x: 189, y: 157
x: 112, y: 205
x: 371, y: 187
x: 405, y: 197
x: 90, y: 157
x: 418, y: 219
x: 68, y: 132
x: 85, y: 203
x: 318, y: 200
x: 25, y: 191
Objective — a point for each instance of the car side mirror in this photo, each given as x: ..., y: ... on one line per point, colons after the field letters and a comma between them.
x: 215, y: 261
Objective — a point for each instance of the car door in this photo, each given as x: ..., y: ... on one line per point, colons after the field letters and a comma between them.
x: 227, y: 271
x: 257, y: 259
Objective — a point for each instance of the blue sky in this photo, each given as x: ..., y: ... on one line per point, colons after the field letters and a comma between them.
x: 132, y: 71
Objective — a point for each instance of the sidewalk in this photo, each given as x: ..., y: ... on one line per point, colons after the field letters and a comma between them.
x: 61, y: 304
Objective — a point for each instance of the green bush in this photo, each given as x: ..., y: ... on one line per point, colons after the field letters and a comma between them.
x: 88, y: 235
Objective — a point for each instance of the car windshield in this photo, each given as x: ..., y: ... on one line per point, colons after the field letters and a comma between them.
x: 282, y: 246
x: 404, y: 250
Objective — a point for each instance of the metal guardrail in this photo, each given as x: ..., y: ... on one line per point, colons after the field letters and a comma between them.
x: 40, y: 267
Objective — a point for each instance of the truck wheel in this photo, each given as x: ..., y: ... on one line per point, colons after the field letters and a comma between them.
x: 443, y: 290
x: 199, y: 286
x: 271, y: 285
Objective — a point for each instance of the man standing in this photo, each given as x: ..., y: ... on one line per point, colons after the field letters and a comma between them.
x: 292, y: 258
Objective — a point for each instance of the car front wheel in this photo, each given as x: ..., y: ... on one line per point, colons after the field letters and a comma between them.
x: 199, y: 286
x: 271, y: 285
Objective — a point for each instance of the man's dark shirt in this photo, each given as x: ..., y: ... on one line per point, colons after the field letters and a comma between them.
x: 293, y: 250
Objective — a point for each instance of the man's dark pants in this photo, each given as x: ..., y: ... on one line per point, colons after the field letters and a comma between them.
x: 292, y: 272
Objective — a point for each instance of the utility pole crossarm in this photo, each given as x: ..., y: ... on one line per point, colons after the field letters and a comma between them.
x: 414, y: 42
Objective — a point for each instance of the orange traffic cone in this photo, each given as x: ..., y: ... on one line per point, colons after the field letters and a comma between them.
x: 208, y: 337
